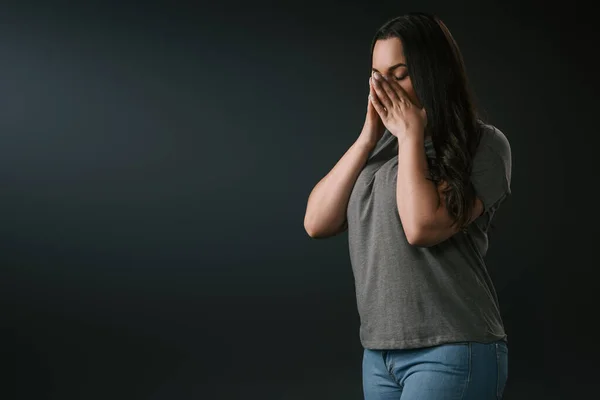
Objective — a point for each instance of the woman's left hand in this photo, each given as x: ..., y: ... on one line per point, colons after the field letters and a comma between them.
x: 398, y: 113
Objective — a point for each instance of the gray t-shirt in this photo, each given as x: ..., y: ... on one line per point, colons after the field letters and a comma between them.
x: 409, y: 296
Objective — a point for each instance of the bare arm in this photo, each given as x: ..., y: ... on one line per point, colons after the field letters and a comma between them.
x: 421, y: 204
x: 328, y: 201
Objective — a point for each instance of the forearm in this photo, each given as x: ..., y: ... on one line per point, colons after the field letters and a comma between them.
x: 416, y: 196
x: 328, y: 201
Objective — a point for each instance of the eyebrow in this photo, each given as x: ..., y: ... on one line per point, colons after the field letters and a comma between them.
x: 393, y: 67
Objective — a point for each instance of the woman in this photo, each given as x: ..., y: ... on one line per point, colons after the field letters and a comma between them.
x: 417, y: 191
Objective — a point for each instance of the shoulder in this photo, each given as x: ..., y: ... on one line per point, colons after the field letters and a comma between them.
x: 495, y: 141
x: 492, y: 168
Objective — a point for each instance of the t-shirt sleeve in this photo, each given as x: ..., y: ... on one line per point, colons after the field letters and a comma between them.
x: 491, y: 173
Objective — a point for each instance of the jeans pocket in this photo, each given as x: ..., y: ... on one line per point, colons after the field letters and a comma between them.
x: 502, y: 367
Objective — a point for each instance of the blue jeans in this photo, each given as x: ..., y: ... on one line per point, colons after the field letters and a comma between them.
x: 457, y: 371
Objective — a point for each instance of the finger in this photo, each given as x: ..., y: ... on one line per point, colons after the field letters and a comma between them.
x: 371, y: 92
x: 380, y: 91
x: 398, y: 90
x: 396, y: 87
x: 390, y: 88
x: 376, y: 102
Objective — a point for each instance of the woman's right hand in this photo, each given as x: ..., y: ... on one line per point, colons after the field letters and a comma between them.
x: 373, y: 128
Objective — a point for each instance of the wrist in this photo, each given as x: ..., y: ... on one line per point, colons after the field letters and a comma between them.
x: 367, y: 139
x: 365, y: 144
x: 411, y: 140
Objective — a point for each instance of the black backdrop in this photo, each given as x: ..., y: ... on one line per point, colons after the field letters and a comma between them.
x: 156, y: 159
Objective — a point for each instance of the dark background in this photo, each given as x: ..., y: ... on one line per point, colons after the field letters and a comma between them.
x: 155, y: 163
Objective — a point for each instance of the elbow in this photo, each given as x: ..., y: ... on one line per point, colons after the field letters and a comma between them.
x: 320, y: 231
x: 311, y: 230
x: 312, y: 233
x: 417, y: 236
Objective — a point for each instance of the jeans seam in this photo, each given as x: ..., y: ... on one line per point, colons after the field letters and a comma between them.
x: 469, y: 356
x: 389, y: 369
x: 497, y: 373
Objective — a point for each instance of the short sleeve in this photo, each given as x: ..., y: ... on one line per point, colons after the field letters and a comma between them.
x: 492, y: 165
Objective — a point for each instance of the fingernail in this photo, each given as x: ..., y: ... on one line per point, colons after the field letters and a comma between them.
x: 376, y: 75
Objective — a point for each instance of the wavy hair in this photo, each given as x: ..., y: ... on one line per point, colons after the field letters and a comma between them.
x: 437, y: 72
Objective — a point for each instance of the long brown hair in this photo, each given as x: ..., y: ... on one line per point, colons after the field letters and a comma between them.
x: 437, y: 71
